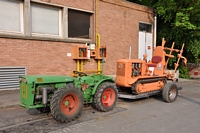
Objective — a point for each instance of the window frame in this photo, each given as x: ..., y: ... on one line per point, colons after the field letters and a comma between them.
x: 91, y: 24
x: 21, y: 14
x: 25, y: 21
x: 60, y: 13
x: 146, y: 23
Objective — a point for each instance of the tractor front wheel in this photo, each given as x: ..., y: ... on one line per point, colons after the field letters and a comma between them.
x: 170, y: 92
x: 105, y: 97
x: 66, y: 103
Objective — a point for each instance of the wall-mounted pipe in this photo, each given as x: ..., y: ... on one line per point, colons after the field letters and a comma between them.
x: 81, y: 65
x: 77, y: 65
x: 155, y: 27
x: 98, y: 61
x: 130, y: 50
x: 96, y: 16
x: 97, y: 36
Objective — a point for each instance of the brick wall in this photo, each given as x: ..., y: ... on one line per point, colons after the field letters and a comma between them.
x: 79, y: 4
x: 117, y: 25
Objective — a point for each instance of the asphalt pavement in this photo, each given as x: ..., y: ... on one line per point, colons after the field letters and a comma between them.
x: 140, y: 116
x: 11, y: 98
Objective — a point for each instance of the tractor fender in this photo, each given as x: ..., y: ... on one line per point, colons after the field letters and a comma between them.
x: 99, y: 83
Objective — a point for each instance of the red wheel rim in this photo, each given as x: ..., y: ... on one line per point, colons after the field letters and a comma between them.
x: 69, y: 104
x: 108, y: 97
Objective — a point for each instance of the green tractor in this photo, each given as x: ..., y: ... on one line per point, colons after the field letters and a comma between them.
x: 65, y: 96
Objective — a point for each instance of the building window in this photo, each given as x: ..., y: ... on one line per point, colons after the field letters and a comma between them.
x: 145, y: 27
x: 45, y: 20
x: 79, y: 24
x: 11, y: 16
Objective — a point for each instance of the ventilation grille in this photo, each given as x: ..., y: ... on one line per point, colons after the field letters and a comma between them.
x: 9, y: 76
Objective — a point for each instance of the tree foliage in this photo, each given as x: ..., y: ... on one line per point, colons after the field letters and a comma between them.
x: 178, y: 21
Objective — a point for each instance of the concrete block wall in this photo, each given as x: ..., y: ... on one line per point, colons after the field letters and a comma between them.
x: 193, y: 70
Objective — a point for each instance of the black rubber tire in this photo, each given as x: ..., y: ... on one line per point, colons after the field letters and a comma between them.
x: 97, y: 103
x: 59, y: 95
x: 44, y: 109
x: 170, y: 92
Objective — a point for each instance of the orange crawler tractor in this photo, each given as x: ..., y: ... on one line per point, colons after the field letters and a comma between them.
x: 137, y: 78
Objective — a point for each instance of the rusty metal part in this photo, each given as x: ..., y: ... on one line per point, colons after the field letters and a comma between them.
x: 142, y: 95
x: 148, y: 85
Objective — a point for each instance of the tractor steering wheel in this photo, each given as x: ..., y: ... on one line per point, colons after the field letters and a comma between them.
x: 80, y: 73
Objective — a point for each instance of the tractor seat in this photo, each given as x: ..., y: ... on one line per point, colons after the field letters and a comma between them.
x: 154, y: 61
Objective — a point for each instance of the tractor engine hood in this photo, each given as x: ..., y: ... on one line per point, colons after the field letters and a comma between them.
x: 45, y: 79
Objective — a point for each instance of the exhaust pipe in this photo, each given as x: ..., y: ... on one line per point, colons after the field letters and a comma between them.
x: 44, y: 96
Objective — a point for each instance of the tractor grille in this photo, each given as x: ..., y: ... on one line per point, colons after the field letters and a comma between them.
x: 9, y: 76
x: 24, y: 91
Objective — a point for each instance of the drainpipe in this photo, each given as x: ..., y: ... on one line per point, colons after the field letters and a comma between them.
x: 97, y: 37
x: 130, y: 51
x: 155, y: 27
x: 99, y: 60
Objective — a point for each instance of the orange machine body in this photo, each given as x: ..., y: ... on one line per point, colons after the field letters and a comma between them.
x: 142, y: 76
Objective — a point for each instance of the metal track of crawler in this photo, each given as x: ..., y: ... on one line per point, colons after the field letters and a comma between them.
x: 141, y: 95
x: 24, y: 123
x: 145, y: 81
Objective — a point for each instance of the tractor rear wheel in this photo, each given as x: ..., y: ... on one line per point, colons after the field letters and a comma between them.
x: 66, y: 103
x: 105, y: 97
x: 169, y: 92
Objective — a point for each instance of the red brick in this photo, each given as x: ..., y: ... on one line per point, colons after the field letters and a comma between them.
x: 117, y: 24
